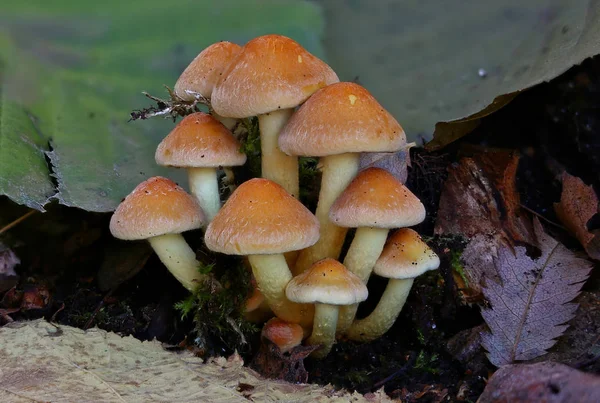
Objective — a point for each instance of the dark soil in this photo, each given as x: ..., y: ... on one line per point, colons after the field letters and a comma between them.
x: 556, y: 127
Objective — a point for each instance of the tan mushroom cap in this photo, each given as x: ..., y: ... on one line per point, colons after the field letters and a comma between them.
x: 156, y: 207
x: 341, y: 118
x: 286, y: 335
x: 198, y: 141
x: 260, y: 217
x: 328, y: 282
x: 271, y: 72
x: 375, y: 198
x: 405, y: 256
x: 204, y: 71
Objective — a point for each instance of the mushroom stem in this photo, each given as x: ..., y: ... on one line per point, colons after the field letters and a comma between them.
x: 364, y: 251
x: 276, y: 165
x: 205, y: 187
x: 338, y: 172
x: 272, y: 276
x: 385, y: 313
x: 326, y: 316
x: 177, y: 256
x: 229, y: 123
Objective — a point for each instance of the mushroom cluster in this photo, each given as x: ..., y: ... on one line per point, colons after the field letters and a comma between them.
x: 303, y: 111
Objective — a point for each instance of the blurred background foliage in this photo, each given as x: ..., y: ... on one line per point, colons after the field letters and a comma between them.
x: 70, y: 73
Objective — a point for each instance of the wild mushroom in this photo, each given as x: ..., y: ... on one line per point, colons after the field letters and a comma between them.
x: 327, y: 284
x: 404, y: 257
x: 284, y: 334
x: 337, y: 123
x: 158, y: 210
x: 262, y: 221
x: 201, y: 75
x: 201, y: 144
x: 374, y: 202
x: 270, y: 77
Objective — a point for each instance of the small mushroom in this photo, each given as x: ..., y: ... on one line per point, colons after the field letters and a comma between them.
x: 374, y: 202
x: 263, y: 221
x: 202, y: 74
x: 158, y: 210
x: 269, y: 78
x: 284, y: 334
x: 404, y: 257
x: 327, y: 284
x: 201, y: 144
x: 337, y: 123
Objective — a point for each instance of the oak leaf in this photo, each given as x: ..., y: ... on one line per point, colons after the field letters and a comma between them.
x: 531, y: 305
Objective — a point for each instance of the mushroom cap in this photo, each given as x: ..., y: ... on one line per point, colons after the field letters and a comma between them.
x: 328, y: 282
x: 271, y: 72
x: 204, y: 71
x: 405, y: 255
x: 198, y: 141
x: 286, y: 335
x: 375, y: 198
x: 156, y: 207
x: 260, y: 217
x: 341, y: 118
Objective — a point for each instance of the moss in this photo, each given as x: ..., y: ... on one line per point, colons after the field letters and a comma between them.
x: 219, y: 313
x: 457, y: 266
x: 250, y: 138
x: 427, y: 362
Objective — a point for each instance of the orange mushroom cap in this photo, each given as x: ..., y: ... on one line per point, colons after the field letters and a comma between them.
x: 204, y: 71
x: 271, y: 72
x: 156, y: 207
x: 200, y: 140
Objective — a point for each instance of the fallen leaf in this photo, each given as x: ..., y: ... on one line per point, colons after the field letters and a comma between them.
x: 530, y: 307
x: 578, y: 204
x: 482, y: 187
x: 542, y: 382
x: 270, y: 362
x: 426, y: 65
x: 8, y: 261
x: 579, y: 347
x: 44, y: 362
x: 122, y: 261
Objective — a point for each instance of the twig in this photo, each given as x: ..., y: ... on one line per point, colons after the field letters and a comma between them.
x: 17, y: 221
x: 406, y: 366
x: 524, y: 207
x: 100, y: 305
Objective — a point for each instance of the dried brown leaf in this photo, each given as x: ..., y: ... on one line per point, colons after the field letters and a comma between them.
x: 578, y: 204
x: 530, y: 307
x: 483, y: 189
x: 542, y: 382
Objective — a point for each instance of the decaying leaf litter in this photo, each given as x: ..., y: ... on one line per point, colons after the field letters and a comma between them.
x: 417, y: 366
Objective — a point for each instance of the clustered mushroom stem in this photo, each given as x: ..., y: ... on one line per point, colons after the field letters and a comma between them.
x: 177, y: 256
x: 205, y: 187
x: 338, y: 172
x: 272, y: 276
x: 364, y: 251
x: 323, y: 333
x: 385, y: 313
x: 229, y: 123
x: 276, y: 165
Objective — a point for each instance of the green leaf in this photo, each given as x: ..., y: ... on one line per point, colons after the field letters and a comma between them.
x: 72, y: 72
x: 429, y: 63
